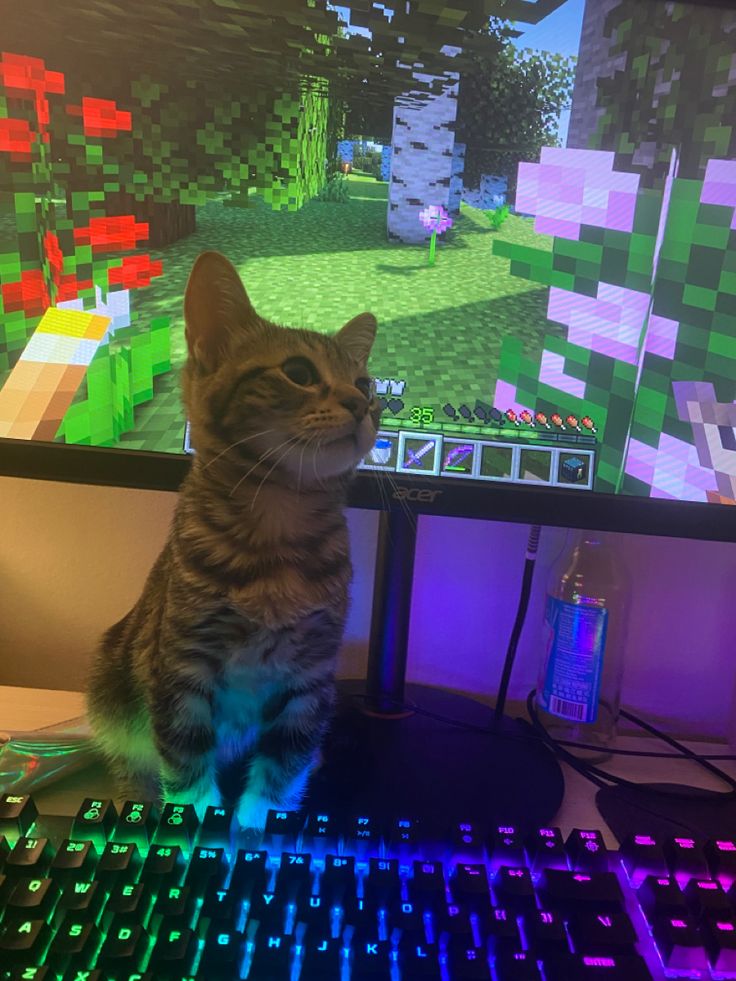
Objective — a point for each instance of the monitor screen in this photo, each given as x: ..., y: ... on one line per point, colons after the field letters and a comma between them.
x: 536, y: 200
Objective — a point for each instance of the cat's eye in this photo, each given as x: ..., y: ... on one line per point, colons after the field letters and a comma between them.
x: 364, y: 385
x: 301, y: 371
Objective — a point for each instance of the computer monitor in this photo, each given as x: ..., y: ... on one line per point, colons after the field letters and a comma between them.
x: 539, y: 210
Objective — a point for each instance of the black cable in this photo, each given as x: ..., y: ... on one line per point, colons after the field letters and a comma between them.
x: 598, y: 776
x: 526, y: 588
x: 409, y: 706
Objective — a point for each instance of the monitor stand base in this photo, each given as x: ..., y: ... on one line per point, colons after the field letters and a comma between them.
x: 410, y: 764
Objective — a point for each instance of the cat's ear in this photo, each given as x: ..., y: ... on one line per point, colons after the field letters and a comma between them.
x: 217, y: 310
x: 357, y: 336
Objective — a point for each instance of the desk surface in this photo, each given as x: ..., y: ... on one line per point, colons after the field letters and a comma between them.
x: 30, y: 708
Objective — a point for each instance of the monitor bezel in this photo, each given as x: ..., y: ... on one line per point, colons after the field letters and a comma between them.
x: 560, y: 507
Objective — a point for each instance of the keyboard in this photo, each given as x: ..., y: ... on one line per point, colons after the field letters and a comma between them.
x: 147, y: 894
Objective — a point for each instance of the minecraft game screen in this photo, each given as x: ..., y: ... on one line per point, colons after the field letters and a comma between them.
x: 537, y: 200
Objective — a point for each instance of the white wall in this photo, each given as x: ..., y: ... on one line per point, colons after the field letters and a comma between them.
x: 73, y: 559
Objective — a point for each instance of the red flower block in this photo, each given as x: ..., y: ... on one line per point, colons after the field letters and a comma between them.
x: 135, y: 271
x: 29, y: 295
x: 101, y: 117
x: 16, y: 138
x: 53, y: 253
x: 119, y: 233
x: 22, y: 75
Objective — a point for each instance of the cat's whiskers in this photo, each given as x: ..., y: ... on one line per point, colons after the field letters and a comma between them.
x: 232, y: 446
x: 261, y: 459
x: 411, y: 517
x: 307, y: 442
x: 290, y: 441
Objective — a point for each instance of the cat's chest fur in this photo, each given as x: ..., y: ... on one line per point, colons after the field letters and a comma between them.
x: 252, y: 675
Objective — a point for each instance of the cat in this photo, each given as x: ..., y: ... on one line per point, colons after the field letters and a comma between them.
x: 218, y: 686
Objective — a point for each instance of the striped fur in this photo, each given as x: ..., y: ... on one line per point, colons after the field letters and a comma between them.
x: 218, y: 685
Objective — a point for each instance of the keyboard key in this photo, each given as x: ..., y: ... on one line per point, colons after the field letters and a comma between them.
x: 74, y: 944
x: 661, y: 894
x: 321, y: 833
x: 371, y: 960
x: 223, y: 952
x: 222, y: 906
x: 164, y: 866
x: 506, y: 846
x: 454, y: 918
x: 612, y: 967
x: 382, y: 885
x: 513, y: 888
x: 249, y: 873
x: 403, y: 833
x: 94, y: 821
x: 586, y: 851
x: 29, y: 857
x: 29, y: 972
x: 544, y: 932
x: 123, y: 947
x: 643, y: 855
x: 321, y: 957
x: 363, y: 833
x: 119, y: 862
x: 337, y: 883
x: 128, y: 903
x: 469, y: 963
x: 17, y: 815
x: 73, y: 860
x: 565, y: 890
x: 499, y: 930
x: 206, y: 865
x: 601, y: 933
x: 469, y: 884
x: 282, y: 829
x: 516, y: 965
x: 466, y: 841
x: 271, y: 958
x: 137, y: 822
x: 23, y: 940
x: 720, y: 854
x: 83, y: 899
x: 294, y: 877
x: 269, y: 911
x: 407, y: 917
x: 315, y: 911
x: 419, y: 960
x: 706, y: 897
x: 679, y: 942
x: 427, y: 885
x: 546, y: 849
x: 173, y: 951
x: 177, y: 825
x: 719, y: 935
x: 33, y: 899
x: 686, y: 857
x: 175, y: 903
x: 74, y: 974
x: 216, y: 826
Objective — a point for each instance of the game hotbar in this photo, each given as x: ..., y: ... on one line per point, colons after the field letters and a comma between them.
x: 536, y: 200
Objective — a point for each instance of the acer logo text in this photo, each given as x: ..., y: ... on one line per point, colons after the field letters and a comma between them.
x: 414, y: 494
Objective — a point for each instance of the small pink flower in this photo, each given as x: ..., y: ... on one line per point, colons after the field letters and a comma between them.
x: 435, y: 218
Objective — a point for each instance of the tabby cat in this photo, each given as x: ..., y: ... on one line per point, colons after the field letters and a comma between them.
x: 217, y: 687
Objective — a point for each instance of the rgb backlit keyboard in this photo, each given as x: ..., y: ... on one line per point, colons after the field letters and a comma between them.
x: 141, y: 895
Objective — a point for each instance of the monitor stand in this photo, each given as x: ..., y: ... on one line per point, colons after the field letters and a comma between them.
x: 386, y: 754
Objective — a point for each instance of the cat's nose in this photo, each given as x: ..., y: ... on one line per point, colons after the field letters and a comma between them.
x: 356, y: 404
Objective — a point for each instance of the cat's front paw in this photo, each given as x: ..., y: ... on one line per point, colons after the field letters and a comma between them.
x: 253, y: 810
